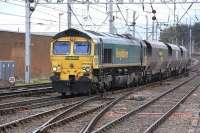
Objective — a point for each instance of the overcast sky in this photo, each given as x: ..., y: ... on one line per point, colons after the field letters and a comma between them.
x: 93, y: 17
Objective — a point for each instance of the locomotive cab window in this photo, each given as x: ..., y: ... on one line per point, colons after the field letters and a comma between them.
x: 82, y: 48
x: 61, y: 48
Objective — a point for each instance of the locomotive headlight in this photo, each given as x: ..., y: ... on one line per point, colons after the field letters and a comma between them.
x: 54, y: 69
x: 86, y: 68
x: 58, y: 68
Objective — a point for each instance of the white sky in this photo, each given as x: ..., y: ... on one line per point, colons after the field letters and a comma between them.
x: 45, y: 17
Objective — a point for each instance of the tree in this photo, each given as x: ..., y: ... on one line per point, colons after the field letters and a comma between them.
x: 180, y: 34
x: 168, y: 35
x: 196, y: 34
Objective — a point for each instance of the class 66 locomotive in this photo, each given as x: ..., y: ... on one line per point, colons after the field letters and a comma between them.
x: 84, y: 62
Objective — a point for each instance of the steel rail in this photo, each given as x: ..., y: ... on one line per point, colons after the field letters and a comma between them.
x: 14, y: 109
x: 60, y: 115
x: 93, y: 122
x: 152, y: 127
x: 70, y: 118
x: 134, y: 111
x: 110, y: 104
x: 27, y: 86
x: 26, y: 102
x: 3, y: 127
x: 26, y: 92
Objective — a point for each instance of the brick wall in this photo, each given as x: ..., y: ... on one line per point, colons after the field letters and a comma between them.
x: 12, y: 48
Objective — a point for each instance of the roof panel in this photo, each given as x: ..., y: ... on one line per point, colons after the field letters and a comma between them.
x: 95, y: 33
x: 173, y: 46
x: 72, y: 32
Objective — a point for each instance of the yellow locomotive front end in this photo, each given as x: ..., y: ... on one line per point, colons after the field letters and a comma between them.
x: 72, y: 59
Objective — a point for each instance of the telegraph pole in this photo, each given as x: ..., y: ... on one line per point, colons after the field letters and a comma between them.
x: 147, y: 30
x: 190, y: 44
x: 176, y: 41
x: 174, y: 12
x: 156, y: 31
x: 127, y: 15
x: 111, y: 17
x: 27, y: 43
x: 60, y: 14
x: 69, y: 14
x: 134, y: 23
x: 153, y: 30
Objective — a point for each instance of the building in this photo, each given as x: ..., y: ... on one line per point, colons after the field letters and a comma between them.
x: 12, y: 47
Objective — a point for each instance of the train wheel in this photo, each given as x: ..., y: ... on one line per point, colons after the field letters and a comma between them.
x: 186, y: 73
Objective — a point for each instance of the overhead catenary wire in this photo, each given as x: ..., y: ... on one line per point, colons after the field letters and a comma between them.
x: 35, y: 17
x: 125, y: 19
x: 102, y: 23
x: 188, y: 14
x: 96, y: 9
x: 91, y: 16
x: 76, y: 17
x: 59, y: 10
x: 16, y: 15
x: 7, y: 2
x: 184, y: 13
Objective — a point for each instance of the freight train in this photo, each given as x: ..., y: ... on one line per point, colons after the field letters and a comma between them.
x: 85, y: 61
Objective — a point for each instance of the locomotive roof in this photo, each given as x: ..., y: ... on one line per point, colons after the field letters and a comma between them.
x: 84, y: 33
x: 184, y: 49
x: 71, y: 32
x: 156, y: 44
x: 173, y: 46
x: 106, y: 37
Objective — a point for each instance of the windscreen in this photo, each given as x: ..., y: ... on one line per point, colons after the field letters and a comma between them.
x: 81, y: 48
x: 61, y: 48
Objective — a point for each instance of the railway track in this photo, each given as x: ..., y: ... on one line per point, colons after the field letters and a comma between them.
x: 50, y: 125
x: 25, y: 86
x: 12, y: 107
x: 41, y: 117
x: 58, y: 113
x: 137, y: 123
x: 55, y: 118
x: 49, y: 120
x: 77, y: 118
x: 26, y: 92
x: 90, y: 124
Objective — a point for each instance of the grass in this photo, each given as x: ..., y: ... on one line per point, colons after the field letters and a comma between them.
x: 33, y: 81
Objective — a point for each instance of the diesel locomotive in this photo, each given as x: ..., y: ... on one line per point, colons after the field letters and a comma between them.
x: 85, y: 61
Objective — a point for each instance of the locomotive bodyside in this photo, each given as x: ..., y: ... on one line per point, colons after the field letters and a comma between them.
x: 174, y: 57
x: 157, y: 57
x: 123, y: 61
x: 184, y: 61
